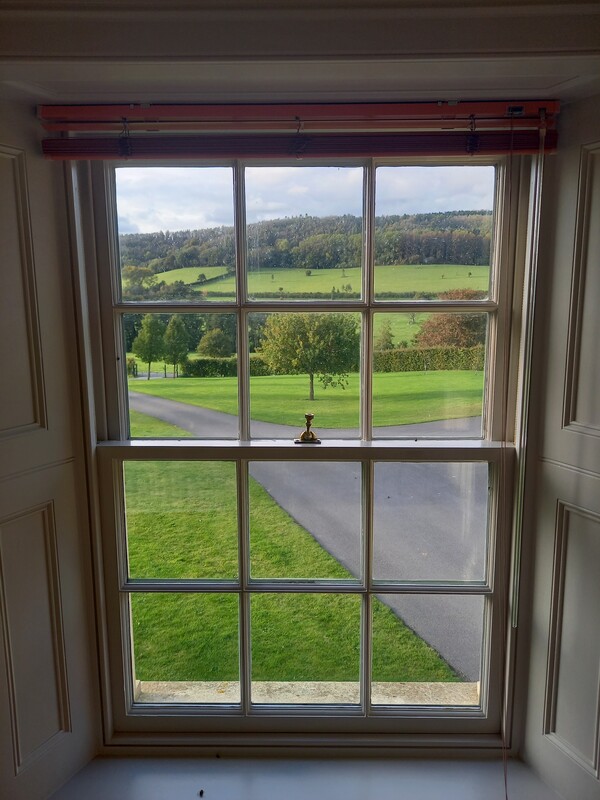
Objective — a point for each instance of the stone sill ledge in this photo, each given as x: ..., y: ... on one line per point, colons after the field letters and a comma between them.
x: 308, y: 692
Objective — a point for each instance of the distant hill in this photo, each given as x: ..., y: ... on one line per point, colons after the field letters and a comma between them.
x: 446, y: 237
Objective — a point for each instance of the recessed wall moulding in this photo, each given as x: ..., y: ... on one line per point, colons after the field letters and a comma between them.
x: 22, y: 406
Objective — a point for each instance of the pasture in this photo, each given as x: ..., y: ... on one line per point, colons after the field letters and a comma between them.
x: 395, y: 279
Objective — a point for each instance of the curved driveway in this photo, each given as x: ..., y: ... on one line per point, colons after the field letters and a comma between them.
x: 429, y: 519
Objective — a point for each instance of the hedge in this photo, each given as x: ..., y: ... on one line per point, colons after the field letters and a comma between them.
x: 405, y: 359
x: 206, y: 367
x: 330, y: 295
x: 417, y: 359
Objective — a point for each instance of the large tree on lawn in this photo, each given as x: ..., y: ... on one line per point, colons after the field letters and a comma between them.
x: 321, y: 345
x: 149, y: 344
x: 176, y: 341
x: 454, y: 330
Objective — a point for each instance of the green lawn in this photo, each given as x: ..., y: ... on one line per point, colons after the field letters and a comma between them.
x: 404, y: 327
x: 186, y: 528
x: 398, y: 398
x: 144, y: 427
x: 158, y: 365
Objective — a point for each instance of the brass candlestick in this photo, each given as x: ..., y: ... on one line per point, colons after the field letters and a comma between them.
x: 308, y: 436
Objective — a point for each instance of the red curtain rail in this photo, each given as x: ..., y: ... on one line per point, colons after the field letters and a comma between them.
x: 298, y: 146
x: 286, y: 130
x: 67, y: 118
x: 310, y: 126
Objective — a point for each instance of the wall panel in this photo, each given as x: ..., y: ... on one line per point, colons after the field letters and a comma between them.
x: 21, y: 392
x: 572, y: 711
x: 582, y: 388
x: 33, y: 631
x: 563, y: 528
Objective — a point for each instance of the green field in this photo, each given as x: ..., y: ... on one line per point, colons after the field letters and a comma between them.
x: 398, y: 398
x: 430, y: 278
x: 186, y: 527
x: 397, y: 278
x: 189, y: 274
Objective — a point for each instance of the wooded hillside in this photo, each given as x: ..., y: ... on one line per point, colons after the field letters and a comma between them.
x: 448, y: 237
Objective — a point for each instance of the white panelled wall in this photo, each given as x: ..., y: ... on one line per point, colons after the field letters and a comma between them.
x: 49, y: 689
x: 563, y: 527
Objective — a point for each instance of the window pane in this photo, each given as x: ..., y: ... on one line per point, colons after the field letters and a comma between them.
x: 433, y: 228
x: 427, y: 649
x: 304, y: 233
x: 304, y: 363
x: 428, y: 374
x: 182, y: 375
x: 430, y: 521
x: 186, y: 648
x: 305, y: 520
x: 305, y: 648
x: 176, y: 237
x: 181, y: 519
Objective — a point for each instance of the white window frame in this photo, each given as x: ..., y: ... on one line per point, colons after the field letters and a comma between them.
x: 95, y: 219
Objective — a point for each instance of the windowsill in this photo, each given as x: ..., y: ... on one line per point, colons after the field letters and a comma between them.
x: 412, y: 694
x: 301, y: 779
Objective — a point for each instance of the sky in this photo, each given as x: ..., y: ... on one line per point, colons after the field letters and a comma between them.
x: 179, y: 198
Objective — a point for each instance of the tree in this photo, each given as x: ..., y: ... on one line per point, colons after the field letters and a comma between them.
x: 138, y: 276
x: 131, y: 327
x: 453, y: 330
x: 176, y: 341
x: 325, y: 345
x: 385, y: 338
x: 149, y: 343
x: 226, y: 324
x: 256, y: 325
x: 215, y: 343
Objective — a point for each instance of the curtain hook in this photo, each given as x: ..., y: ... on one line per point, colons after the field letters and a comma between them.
x: 472, y: 137
x: 124, y: 139
x: 300, y: 141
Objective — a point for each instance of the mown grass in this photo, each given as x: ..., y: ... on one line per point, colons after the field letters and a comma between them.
x: 399, y: 398
x: 145, y: 427
x: 182, y: 523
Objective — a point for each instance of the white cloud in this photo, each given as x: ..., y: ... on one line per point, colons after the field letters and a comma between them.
x: 180, y: 198
x: 175, y: 198
x: 412, y: 190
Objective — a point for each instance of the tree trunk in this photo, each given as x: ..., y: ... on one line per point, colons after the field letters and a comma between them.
x: 311, y: 391
x: 149, y: 365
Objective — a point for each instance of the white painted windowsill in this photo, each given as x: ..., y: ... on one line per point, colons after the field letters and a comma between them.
x: 301, y: 779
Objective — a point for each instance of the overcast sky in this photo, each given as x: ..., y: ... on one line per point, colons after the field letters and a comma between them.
x: 180, y: 198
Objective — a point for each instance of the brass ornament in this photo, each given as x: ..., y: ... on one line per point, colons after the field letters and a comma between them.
x: 308, y: 436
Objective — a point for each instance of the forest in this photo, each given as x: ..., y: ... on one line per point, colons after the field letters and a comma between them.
x: 306, y: 242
